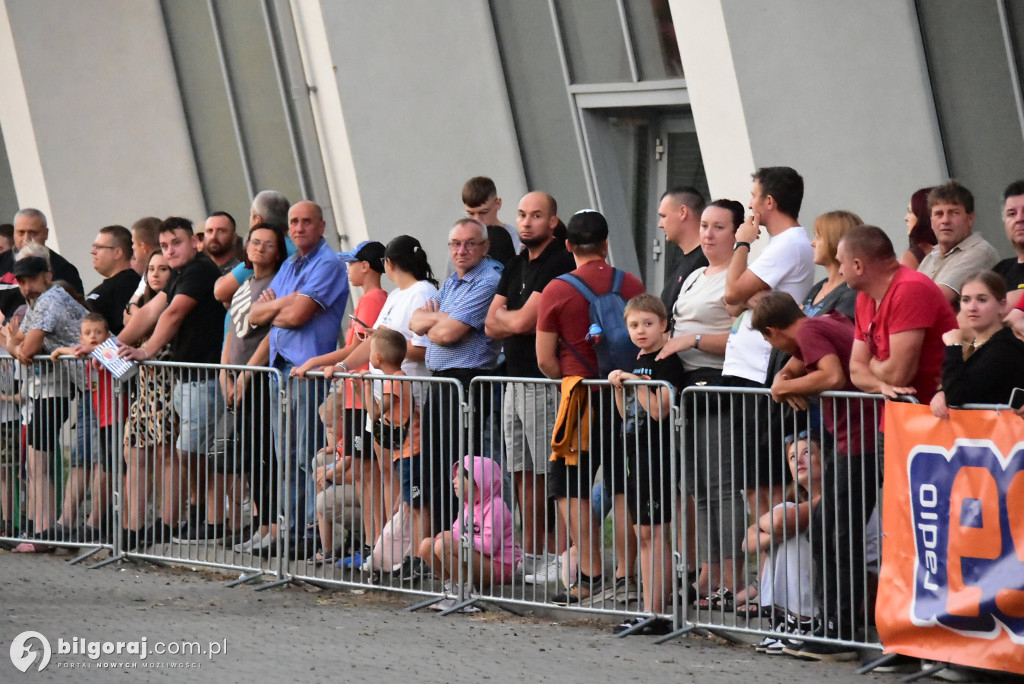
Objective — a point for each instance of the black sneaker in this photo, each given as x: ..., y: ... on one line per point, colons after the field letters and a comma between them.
x: 200, y: 533
x: 578, y: 591
x: 413, y: 569
x: 655, y: 627
x: 820, y: 651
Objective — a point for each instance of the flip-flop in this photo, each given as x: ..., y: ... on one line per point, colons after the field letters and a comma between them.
x: 752, y: 610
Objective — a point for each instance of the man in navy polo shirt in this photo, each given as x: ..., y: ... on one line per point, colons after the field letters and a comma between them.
x: 305, y: 304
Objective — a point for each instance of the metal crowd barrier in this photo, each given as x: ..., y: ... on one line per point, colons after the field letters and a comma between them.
x: 303, y: 479
x: 780, y: 551
x: 381, y: 482
x: 58, y: 467
x: 585, y: 537
x: 203, y: 474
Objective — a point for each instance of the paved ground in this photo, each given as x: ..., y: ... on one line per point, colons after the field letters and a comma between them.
x: 293, y: 633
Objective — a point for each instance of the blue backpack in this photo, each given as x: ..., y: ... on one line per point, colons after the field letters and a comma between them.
x: 608, y: 332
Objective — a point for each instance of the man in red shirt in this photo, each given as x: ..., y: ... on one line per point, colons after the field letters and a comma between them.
x: 901, y: 316
x: 563, y: 350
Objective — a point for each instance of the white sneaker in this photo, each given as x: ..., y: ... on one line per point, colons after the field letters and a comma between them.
x: 543, y: 569
x: 451, y: 599
x: 254, y: 545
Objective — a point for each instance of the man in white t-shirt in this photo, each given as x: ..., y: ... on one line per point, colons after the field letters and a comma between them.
x: 787, y: 264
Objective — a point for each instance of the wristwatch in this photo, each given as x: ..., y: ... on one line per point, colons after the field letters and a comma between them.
x: 696, y: 342
x: 740, y: 244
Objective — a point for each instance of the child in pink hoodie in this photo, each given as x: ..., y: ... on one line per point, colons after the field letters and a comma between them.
x: 485, y: 521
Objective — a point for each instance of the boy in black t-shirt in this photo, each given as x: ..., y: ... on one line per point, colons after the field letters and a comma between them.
x: 647, y: 428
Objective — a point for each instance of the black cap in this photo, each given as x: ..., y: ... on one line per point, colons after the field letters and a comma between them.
x: 370, y: 251
x: 30, y: 267
x: 587, y: 227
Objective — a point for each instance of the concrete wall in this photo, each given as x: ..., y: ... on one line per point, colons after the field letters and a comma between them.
x: 839, y: 91
x: 426, y: 108
x: 92, y: 118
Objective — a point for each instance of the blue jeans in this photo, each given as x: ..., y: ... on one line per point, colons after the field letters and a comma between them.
x: 298, y: 445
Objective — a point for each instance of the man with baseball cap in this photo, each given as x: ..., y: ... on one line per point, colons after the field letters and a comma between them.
x: 563, y: 322
x: 51, y: 321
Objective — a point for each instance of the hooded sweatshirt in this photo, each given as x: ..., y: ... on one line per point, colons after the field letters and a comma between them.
x: 492, y: 531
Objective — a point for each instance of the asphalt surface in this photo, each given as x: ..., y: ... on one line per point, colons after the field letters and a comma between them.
x: 296, y: 633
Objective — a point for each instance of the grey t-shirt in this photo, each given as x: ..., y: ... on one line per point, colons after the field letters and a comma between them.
x: 245, y: 338
x: 60, y: 316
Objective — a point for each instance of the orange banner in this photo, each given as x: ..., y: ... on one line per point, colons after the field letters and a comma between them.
x: 952, y: 577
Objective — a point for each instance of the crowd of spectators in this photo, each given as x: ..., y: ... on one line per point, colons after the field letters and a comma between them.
x: 214, y: 449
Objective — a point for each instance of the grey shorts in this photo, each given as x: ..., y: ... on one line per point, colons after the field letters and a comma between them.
x: 528, y: 419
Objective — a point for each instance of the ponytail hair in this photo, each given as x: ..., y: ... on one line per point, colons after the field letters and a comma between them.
x: 406, y: 254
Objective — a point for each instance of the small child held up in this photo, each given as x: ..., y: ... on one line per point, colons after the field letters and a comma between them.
x: 108, y: 413
x: 781, y: 534
x: 647, y: 425
x: 486, y: 522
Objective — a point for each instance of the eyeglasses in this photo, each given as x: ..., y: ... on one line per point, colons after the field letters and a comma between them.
x: 456, y: 245
x: 262, y: 244
x: 95, y: 246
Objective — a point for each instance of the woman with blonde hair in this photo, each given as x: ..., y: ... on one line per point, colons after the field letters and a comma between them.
x: 832, y: 293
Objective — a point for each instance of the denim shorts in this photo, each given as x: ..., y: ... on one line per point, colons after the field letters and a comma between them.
x: 411, y: 481
x: 199, y: 405
x: 87, y: 432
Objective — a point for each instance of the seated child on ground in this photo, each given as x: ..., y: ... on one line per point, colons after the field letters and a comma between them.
x: 336, y: 507
x: 786, y: 587
x: 486, y: 522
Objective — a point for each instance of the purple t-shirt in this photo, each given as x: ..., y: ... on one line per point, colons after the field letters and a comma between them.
x: 823, y: 336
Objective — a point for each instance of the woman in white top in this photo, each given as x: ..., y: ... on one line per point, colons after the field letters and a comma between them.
x: 406, y: 265
x: 699, y: 336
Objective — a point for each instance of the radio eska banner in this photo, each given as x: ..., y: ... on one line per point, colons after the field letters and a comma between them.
x: 951, y: 587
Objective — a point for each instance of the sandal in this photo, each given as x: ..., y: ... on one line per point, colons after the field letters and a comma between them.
x: 752, y: 610
x: 721, y: 600
x: 319, y: 558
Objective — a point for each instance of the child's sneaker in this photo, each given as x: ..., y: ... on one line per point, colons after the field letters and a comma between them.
x: 542, y: 569
x: 451, y: 599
